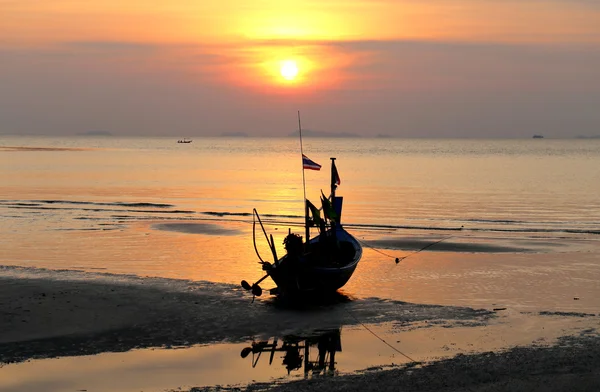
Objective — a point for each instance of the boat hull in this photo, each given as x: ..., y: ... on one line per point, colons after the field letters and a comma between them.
x: 318, y: 273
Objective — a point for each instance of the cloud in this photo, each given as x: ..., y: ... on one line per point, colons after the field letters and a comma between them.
x: 401, y: 87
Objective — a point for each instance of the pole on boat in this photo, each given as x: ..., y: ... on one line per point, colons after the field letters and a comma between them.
x: 333, y: 187
x: 307, y: 228
x: 333, y: 179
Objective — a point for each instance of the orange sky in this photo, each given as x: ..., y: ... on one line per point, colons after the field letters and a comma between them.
x: 34, y: 21
x: 336, y: 45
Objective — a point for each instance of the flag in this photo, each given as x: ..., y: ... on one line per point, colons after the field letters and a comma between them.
x: 308, y: 164
x: 316, y: 215
x: 335, y: 177
x: 328, y: 210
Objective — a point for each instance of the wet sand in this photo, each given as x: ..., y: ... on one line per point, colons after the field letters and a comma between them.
x: 571, y: 365
x: 75, y: 313
x: 66, y: 313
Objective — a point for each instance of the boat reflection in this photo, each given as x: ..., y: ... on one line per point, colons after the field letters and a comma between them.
x: 296, y: 351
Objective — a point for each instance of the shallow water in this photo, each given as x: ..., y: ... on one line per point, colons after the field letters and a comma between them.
x: 358, y: 349
x: 155, y: 207
x: 512, y: 224
x: 524, y: 186
x: 531, y: 274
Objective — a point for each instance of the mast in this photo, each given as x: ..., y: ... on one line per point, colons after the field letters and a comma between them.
x: 336, y: 203
x: 306, y: 226
x: 302, y: 157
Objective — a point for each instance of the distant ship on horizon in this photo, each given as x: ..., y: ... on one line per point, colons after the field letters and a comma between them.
x: 538, y: 136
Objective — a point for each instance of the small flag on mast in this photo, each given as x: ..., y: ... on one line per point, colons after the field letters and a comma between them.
x: 308, y: 164
x: 335, y: 177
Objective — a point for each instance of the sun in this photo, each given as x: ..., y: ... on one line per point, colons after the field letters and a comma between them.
x: 288, y: 69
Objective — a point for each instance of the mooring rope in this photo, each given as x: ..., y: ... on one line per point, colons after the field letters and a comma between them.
x: 425, y: 247
x: 380, y: 338
x: 399, y: 259
x: 392, y: 347
x: 375, y: 249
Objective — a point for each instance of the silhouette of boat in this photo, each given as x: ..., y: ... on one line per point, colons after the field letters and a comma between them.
x: 538, y: 136
x: 184, y: 141
x: 320, y: 265
x: 296, y: 351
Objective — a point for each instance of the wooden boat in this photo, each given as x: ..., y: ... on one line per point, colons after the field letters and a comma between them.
x: 323, y: 264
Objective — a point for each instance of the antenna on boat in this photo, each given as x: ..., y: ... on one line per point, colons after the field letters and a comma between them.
x: 302, y: 157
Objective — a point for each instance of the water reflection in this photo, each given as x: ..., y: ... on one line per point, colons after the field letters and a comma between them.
x: 310, y: 302
x: 296, y: 351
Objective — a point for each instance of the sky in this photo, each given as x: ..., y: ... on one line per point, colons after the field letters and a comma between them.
x: 404, y: 68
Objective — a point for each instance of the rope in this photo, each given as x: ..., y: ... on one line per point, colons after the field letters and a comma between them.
x: 425, y: 247
x: 375, y: 249
x: 392, y: 347
x: 378, y: 337
x: 373, y: 333
x: 399, y: 259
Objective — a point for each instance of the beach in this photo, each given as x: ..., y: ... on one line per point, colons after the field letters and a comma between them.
x: 51, y: 314
x: 572, y: 366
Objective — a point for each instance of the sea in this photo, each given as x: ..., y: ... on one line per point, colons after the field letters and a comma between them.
x: 505, y: 224
x: 155, y: 207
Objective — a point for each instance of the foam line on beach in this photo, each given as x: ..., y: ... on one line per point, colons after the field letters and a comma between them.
x: 151, y: 211
x: 30, y: 148
x: 101, y: 209
x: 78, y: 202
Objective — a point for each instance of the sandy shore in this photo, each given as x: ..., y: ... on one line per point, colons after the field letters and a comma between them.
x: 66, y: 314
x: 572, y: 365
x: 43, y: 318
x: 69, y: 313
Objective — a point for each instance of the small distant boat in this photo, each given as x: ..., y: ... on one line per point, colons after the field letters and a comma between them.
x: 321, y: 264
x: 538, y: 136
x: 184, y: 141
